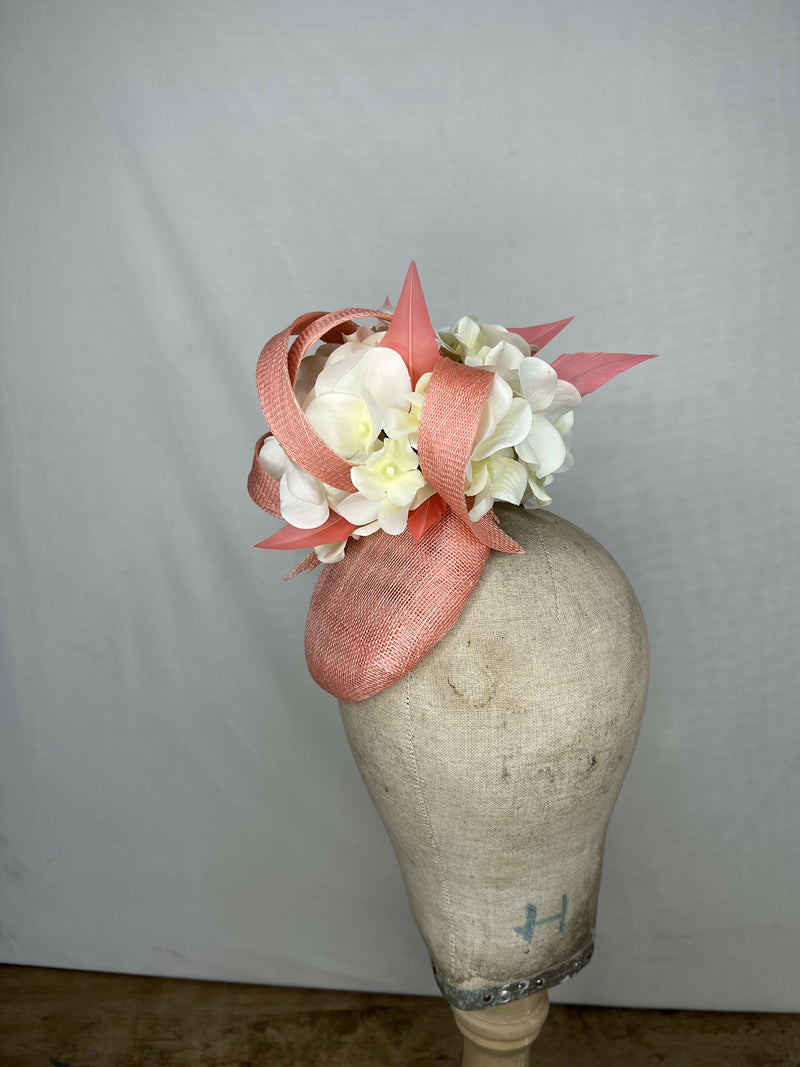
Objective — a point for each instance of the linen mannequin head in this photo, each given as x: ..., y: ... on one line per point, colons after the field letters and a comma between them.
x: 496, y: 761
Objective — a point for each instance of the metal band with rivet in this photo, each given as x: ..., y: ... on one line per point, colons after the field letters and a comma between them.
x: 488, y: 997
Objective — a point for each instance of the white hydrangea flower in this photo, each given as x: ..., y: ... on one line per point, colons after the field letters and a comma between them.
x: 348, y: 423
x: 540, y: 435
x: 404, y: 422
x: 492, y: 472
x: 480, y: 344
x: 312, y: 364
x: 356, y: 367
x: 305, y: 501
x: 505, y: 420
x: 544, y: 449
x: 498, y: 477
x: 387, y: 484
x: 357, y: 386
x: 536, y: 494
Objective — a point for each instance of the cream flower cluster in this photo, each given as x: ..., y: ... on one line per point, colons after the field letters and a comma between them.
x: 360, y: 401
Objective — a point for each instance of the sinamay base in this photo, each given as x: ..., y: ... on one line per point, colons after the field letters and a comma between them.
x: 495, y: 765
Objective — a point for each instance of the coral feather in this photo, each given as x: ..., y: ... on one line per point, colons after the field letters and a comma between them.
x: 410, y: 332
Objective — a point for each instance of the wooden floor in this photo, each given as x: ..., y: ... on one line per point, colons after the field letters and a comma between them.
x: 52, y: 1018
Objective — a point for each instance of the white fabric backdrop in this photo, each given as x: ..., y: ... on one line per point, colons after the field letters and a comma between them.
x: 179, y: 181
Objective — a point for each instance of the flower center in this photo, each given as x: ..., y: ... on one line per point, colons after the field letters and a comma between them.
x: 390, y: 470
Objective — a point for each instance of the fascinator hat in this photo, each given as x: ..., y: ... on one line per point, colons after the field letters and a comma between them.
x: 387, y: 448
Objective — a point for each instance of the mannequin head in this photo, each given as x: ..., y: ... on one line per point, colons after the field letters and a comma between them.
x: 496, y: 762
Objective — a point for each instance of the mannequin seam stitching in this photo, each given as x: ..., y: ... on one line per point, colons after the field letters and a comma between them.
x: 426, y: 818
x: 550, y: 567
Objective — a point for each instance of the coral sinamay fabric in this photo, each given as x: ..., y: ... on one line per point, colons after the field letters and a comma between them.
x: 375, y: 614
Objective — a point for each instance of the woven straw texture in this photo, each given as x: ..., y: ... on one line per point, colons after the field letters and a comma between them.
x: 496, y: 761
x: 378, y: 612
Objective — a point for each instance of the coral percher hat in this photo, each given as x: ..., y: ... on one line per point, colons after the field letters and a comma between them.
x: 387, y: 450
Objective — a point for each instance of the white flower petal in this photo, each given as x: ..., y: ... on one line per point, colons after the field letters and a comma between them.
x: 390, y: 473
x: 368, y: 482
x: 330, y: 553
x: 482, y: 505
x: 468, y: 333
x: 392, y: 519
x: 565, y: 398
x: 563, y: 423
x: 339, y: 363
x: 476, y: 477
x: 496, y: 334
x: 540, y: 497
x: 344, y: 422
x: 358, y: 509
x: 379, y: 371
x: 538, y: 381
x: 514, y: 427
x: 398, y: 454
x: 505, y: 359
x: 366, y: 530
x: 384, y: 373
x: 504, y: 355
x: 307, y: 373
x: 403, y: 420
x: 509, y: 479
x: 399, y: 423
x: 333, y: 496
x: 302, y: 485
x: 402, y: 489
x: 303, y: 502
x: 543, y: 448
x: 272, y: 457
x: 497, y: 404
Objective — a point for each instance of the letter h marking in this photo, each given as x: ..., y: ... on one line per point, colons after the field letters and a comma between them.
x: 531, y: 921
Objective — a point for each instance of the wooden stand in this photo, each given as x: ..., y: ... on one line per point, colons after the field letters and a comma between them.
x: 502, y: 1036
